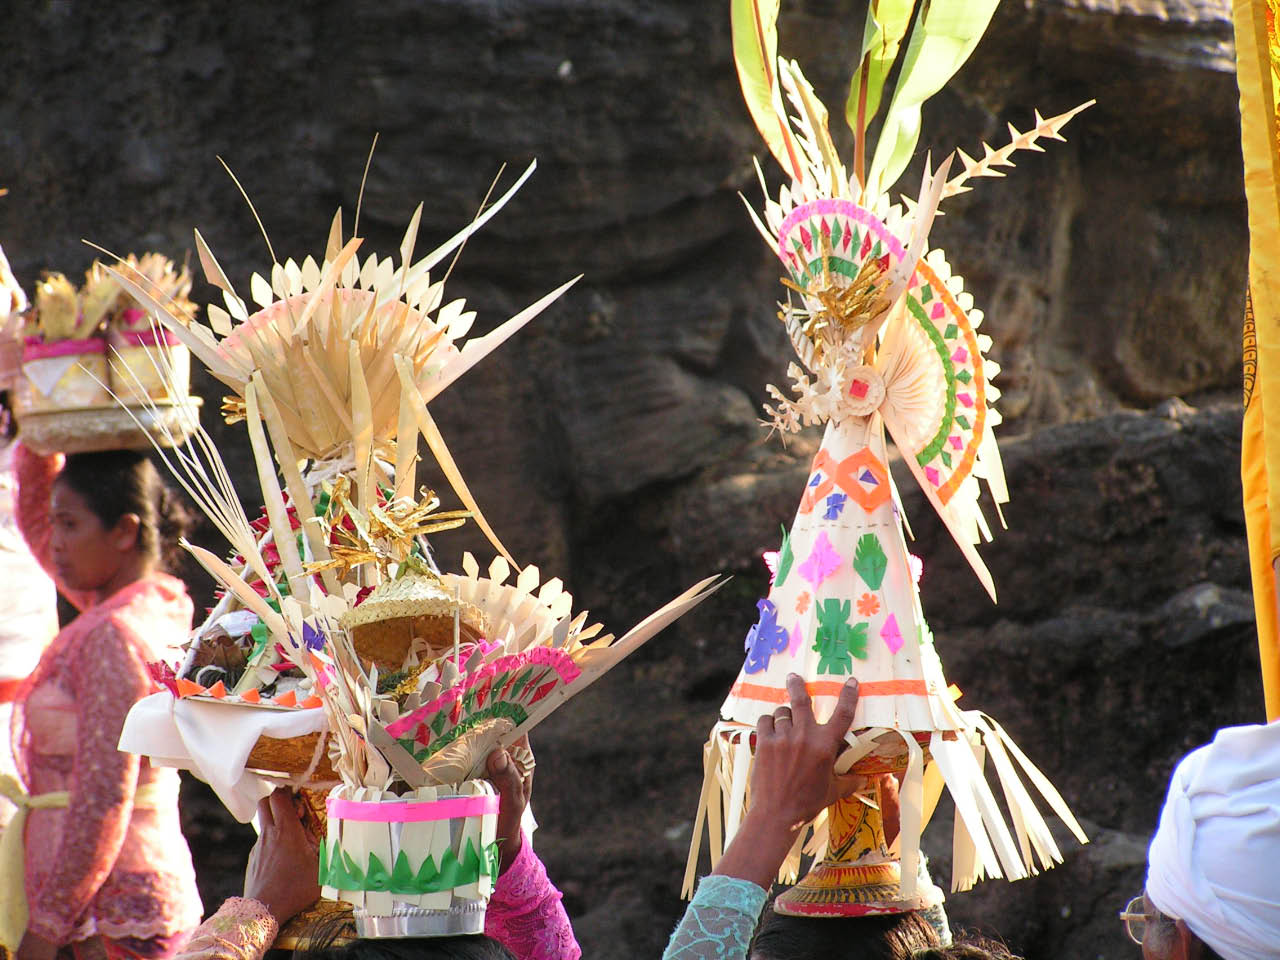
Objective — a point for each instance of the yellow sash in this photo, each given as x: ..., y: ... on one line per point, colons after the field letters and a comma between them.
x: 13, y: 887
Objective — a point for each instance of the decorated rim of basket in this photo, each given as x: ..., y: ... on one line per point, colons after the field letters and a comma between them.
x: 113, y: 427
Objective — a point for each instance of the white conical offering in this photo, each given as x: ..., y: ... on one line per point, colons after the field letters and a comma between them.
x: 843, y: 601
x: 887, y: 347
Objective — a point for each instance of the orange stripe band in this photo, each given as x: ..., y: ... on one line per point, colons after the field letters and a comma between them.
x: 9, y: 688
x: 832, y: 688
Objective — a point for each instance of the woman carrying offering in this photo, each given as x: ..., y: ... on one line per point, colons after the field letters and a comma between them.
x: 105, y: 869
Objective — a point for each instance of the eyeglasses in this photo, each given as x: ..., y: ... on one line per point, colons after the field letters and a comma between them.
x: 1136, y: 915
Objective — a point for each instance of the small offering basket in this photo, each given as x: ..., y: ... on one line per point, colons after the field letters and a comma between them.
x: 418, y: 865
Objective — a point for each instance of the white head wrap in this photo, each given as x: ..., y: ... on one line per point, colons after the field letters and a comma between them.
x: 1215, y: 859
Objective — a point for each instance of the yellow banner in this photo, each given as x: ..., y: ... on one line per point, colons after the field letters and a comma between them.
x: 1258, y: 74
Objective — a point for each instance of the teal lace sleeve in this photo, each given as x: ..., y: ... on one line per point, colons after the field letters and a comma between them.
x: 718, y: 922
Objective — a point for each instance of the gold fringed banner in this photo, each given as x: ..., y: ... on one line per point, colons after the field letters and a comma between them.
x: 1257, y: 516
x: 1257, y: 67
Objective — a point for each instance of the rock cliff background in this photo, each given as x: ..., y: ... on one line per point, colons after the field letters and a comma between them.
x: 615, y: 441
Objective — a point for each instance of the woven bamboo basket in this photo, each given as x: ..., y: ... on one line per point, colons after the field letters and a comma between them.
x: 386, y: 625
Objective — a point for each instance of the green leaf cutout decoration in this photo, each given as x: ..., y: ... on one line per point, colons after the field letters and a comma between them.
x: 376, y: 877
x: 512, y: 711
x: 402, y: 877
x: 869, y: 561
x: 785, y: 559
x: 836, y: 641
x: 338, y: 870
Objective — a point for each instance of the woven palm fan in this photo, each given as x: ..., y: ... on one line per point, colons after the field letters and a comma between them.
x: 887, y: 342
x: 313, y: 315
x: 538, y: 655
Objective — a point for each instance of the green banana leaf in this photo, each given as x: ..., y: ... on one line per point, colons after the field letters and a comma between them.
x: 887, y: 22
x: 945, y: 33
x: 755, y: 53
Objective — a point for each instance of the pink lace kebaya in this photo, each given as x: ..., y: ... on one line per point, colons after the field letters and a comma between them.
x: 104, y: 865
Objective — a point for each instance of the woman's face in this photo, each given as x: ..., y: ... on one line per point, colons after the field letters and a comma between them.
x: 86, y: 554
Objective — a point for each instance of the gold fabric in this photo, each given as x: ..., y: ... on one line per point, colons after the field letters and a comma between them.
x: 1258, y: 73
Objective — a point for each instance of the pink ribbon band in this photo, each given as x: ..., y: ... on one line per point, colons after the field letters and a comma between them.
x: 414, y: 811
x: 37, y: 349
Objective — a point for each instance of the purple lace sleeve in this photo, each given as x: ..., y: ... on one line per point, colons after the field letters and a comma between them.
x: 525, y: 914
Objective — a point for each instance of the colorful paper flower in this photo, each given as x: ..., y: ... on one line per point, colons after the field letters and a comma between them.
x: 796, y: 637
x: 802, y: 602
x: 312, y: 638
x: 868, y: 605
x: 162, y: 674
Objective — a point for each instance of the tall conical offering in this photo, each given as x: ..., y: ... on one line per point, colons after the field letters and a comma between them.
x: 888, y: 347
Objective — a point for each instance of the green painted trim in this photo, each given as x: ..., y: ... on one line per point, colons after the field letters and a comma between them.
x: 934, y: 446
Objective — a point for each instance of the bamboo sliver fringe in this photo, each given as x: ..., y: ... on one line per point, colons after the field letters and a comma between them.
x: 982, y: 843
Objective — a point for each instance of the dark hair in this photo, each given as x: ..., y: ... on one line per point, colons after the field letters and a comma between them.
x: 113, y: 483
x: 328, y: 939
x: 969, y: 947
x: 894, y: 936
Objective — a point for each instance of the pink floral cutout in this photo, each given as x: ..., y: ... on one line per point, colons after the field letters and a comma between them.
x: 822, y: 563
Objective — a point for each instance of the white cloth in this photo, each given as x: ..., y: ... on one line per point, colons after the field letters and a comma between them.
x: 213, y: 740
x: 1214, y: 861
x: 28, y: 606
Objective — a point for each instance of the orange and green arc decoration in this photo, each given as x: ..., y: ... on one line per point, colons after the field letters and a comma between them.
x: 856, y: 235
x: 1258, y: 73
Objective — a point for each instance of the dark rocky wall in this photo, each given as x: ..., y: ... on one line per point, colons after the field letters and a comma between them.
x: 614, y: 441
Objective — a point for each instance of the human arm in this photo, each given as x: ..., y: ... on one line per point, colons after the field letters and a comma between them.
x: 525, y: 913
x: 284, y: 864
x: 106, y: 678
x: 791, y: 782
x: 242, y: 929
x: 279, y: 882
x: 36, y: 475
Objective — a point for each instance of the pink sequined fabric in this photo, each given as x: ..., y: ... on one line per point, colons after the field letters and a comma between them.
x: 101, y: 866
x: 525, y: 913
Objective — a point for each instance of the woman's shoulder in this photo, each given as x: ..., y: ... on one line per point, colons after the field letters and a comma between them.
x: 154, y: 612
